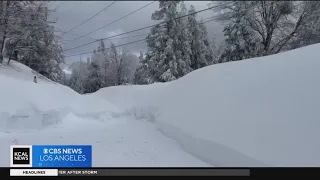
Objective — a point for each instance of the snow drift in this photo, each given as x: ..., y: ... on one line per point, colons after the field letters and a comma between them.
x: 25, y: 104
x: 257, y: 112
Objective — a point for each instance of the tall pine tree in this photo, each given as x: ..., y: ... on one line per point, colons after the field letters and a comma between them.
x: 168, y: 47
x: 200, y: 46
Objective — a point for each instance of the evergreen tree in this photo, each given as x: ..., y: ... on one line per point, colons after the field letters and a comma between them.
x: 166, y: 57
x: 142, y: 73
x: 34, y: 43
x: 183, y: 42
x: 214, y: 51
x: 175, y: 47
x: 207, y: 50
x: 200, y: 46
x: 94, y: 80
x: 241, y: 42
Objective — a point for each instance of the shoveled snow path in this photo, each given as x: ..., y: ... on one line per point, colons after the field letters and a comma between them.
x: 118, y: 142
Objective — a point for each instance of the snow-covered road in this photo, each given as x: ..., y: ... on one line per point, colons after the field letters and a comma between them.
x: 118, y: 142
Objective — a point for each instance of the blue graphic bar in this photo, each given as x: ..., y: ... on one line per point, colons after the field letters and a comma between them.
x: 62, y: 156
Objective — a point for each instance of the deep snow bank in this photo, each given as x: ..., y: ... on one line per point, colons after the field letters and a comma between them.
x: 257, y: 112
x: 25, y: 104
x: 49, y: 113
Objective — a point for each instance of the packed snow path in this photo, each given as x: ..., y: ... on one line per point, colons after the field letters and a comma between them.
x: 117, y: 142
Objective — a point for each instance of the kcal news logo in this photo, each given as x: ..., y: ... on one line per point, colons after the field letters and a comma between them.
x: 51, y: 156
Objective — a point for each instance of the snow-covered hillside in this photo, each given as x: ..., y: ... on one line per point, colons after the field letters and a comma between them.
x: 49, y: 113
x: 256, y: 112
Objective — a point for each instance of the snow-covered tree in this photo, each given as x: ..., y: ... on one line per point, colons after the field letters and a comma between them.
x: 117, y: 65
x: 79, y: 76
x: 12, y: 13
x: 101, y: 57
x: 168, y: 49
x: 309, y: 31
x: 32, y: 41
x: 184, y: 39
x: 75, y: 81
x: 206, y: 43
x: 121, y: 65
x: 241, y: 42
x: 200, y: 47
x: 142, y: 73
x: 94, y: 79
x: 257, y: 28
x: 214, y: 50
x: 175, y: 47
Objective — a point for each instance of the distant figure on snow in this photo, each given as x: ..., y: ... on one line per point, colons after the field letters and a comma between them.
x: 35, y: 79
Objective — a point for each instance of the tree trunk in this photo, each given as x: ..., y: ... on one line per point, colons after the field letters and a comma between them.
x: 105, y: 74
x: 6, y: 15
x: 10, y: 57
x: 2, y: 46
x: 118, y: 76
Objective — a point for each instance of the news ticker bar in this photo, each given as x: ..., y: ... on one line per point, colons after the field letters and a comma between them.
x: 129, y: 172
x: 252, y: 171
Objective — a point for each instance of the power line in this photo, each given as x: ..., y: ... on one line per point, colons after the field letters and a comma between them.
x: 66, y: 10
x: 91, y: 17
x: 145, y: 27
x: 142, y: 39
x: 112, y: 22
x: 109, y: 48
x: 51, y: 3
x: 76, y: 35
x: 61, y: 31
x: 58, y: 5
x: 130, y: 36
x: 127, y: 37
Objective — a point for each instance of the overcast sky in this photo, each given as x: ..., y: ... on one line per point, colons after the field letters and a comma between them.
x: 69, y: 14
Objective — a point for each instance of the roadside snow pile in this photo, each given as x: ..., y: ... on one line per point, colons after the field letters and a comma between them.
x: 257, y: 112
x: 135, y: 100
